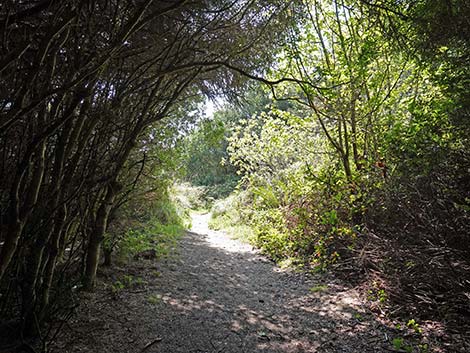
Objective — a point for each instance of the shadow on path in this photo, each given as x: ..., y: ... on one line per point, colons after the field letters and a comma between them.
x: 218, y: 295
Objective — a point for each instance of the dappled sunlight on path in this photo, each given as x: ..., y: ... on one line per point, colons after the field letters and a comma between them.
x: 219, y: 295
x: 217, y: 239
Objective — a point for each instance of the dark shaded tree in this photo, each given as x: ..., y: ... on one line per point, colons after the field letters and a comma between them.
x: 81, y: 83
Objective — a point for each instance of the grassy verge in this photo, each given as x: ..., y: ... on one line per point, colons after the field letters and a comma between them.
x: 229, y: 215
x: 148, y: 229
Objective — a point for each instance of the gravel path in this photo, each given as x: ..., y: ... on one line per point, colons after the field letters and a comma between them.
x: 219, y: 295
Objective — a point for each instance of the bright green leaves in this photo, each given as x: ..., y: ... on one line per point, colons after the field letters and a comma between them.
x: 301, y: 205
x: 205, y: 155
x: 330, y: 218
x: 273, y: 147
x: 424, y: 131
x: 349, y: 77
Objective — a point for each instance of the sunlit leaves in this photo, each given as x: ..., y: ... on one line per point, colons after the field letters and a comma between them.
x: 274, y: 145
x: 357, y: 73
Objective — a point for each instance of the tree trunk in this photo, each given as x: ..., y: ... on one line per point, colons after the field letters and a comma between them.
x: 18, y: 215
x: 60, y: 232
x: 107, y: 252
x: 9, y: 247
x: 96, y: 238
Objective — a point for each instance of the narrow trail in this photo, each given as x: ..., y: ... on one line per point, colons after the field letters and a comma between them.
x: 219, y: 295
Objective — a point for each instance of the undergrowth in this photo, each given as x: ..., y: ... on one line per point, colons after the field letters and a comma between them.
x: 149, y: 228
x: 407, y: 254
x: 201, y: 198
x: 230, y: 215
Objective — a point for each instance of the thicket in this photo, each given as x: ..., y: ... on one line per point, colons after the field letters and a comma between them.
x: 355, y: 157
x: 205, y: 159
x: 368, y: 172
x: 92, y: 95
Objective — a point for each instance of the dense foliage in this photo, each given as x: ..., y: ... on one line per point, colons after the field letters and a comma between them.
x: 368, y: 172
x: 344, y: 132
x: 205, y: 159
x: 90, y: 92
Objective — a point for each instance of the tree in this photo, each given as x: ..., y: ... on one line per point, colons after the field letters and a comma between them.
x: 82, y: 82
x: 349, y: 77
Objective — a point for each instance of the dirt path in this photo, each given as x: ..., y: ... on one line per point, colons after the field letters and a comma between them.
x: 218, y: 295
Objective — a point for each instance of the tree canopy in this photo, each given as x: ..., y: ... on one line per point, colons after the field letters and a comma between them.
x: 344, y: 123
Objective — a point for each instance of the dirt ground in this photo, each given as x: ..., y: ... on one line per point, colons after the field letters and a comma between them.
x: 219, y: 295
